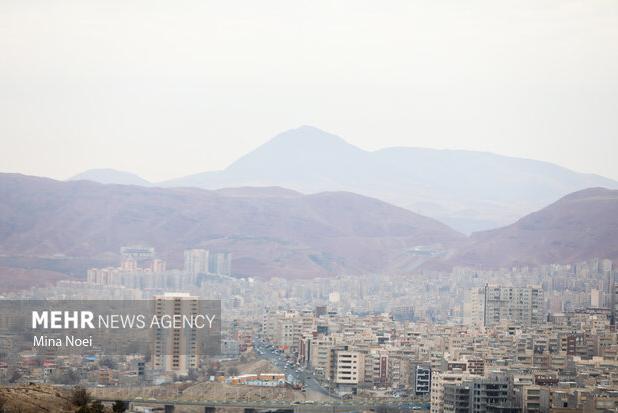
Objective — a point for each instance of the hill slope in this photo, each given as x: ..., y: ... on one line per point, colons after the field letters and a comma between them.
x: 469, y: 191
x: 579, y: 226
x: 281, y: 233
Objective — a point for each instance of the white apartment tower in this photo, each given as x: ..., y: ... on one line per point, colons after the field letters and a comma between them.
x: 474, y: 306
x: 196, y: 261
x: 522, y: 305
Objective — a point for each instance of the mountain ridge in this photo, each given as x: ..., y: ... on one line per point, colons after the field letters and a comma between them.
x: 468, y: 190
x: 576, y: 227
x: 281, y: 234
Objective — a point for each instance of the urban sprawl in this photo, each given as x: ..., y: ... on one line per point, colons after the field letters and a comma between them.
x: 524, y: 339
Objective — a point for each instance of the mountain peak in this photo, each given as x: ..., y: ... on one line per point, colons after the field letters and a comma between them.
x: 110, y: 176
x: 296, y: 150
x: 308, y: 136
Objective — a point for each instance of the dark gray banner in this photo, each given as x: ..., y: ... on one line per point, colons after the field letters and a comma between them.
x: 164, y: 328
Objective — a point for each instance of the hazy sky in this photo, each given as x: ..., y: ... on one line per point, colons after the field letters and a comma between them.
x: 169, y: 88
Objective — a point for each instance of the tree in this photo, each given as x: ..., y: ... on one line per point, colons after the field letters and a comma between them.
x: 119, y: 406
x: 67, y: 377
x: 97, y: 407
x: 108, y: 362
x: 232, y: 371
x: 15, y: 376
x: 193, y: 375
x: 80, y: 397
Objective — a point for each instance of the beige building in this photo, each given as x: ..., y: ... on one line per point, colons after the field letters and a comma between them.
x: 474, y: 306
x: 438, y: 381
x: 349, y: 367
x: 175, y: 350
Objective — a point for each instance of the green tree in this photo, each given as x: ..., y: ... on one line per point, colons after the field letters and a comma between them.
x: 97, y: 407
x: 108, y: 362
x: 119, y: 406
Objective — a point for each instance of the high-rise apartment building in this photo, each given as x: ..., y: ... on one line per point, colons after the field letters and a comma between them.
x: 220, y: 263
x: 196, y: 261
x: 176, y: 350
x: 609, y: 274
x: 522, y: 305
x: 474, y: 306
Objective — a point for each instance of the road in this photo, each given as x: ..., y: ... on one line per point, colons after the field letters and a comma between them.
x: 294, y: 373
x: 311, y: 384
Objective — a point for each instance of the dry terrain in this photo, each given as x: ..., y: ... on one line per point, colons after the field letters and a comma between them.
x: 35, y: 399
x: 580, y: 226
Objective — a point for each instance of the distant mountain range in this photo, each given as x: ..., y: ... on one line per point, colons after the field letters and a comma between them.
x: 470, y: 191
x: 273, y: 231
x: 270, y: 231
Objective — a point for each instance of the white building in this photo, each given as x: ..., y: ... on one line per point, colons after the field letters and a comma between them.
x: 523, y: 305
x: 196, y: 261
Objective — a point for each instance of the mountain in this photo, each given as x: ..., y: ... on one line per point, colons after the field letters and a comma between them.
x: 579, y: 226
x: 110, y: 176
x: 470, y: 191
x: 18, y: 279
x: 269, y: 231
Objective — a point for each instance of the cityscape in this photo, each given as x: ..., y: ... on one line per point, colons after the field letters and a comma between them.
x: 531, y: 339
x: 324, y: 206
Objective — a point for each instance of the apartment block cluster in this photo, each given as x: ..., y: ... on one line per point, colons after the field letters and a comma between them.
x: 511, y: 352
x: 524, y: 338
x: 141, y: 269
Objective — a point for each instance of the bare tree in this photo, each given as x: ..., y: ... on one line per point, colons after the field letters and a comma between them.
x: 80, y: 396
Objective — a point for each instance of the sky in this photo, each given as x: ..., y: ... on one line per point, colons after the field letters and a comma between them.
x: 166, y: 89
